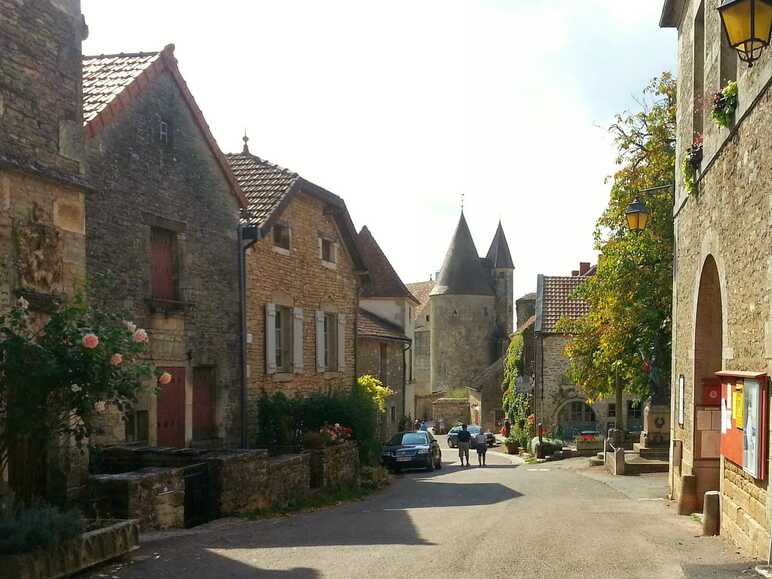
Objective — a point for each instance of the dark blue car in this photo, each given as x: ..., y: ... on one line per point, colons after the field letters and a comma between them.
x: 411, y: 450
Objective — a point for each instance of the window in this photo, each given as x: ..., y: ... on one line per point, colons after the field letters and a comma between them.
x: 281, y: 236
x: 283, y: 329
x: 328, y: 250
x: 137, y: 426
x: 164, y: 276
x: 612, y: 410
x: 633, y: 409
x: 163, y: 132
x: 331, y: 342
x: 283, y: 339
x: 383, y: 354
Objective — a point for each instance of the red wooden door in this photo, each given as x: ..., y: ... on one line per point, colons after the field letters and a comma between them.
x: 203, y: 403
x: 163, y: 278
x: 171, y: 410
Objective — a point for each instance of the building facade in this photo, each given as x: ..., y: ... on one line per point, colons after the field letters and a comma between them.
x: 557, y: 402
x: 722, y: 319
x: 42, y: 186
x: 304, y: 273
x: 163, y: 246
x: 386, y: 328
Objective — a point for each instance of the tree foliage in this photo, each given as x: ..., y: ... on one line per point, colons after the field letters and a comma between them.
x: 628, y: 326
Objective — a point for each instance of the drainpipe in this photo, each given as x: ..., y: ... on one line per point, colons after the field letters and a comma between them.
x: 247, y: 235
x: 404, y: 377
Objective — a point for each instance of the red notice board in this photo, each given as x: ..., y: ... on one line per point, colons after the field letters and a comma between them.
x: 744, y: 422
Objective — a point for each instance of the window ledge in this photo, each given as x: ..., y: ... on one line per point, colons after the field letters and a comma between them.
x: 158, y: 305
x: 280, y: 250
x: 330, y: 375
x: 329, y: 264
x: 283, y: 377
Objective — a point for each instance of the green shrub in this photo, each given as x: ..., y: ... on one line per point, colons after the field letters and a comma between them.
x: 38, y: 527
x: 549, y: 445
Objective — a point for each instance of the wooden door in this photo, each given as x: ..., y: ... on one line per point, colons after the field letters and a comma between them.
x: 204, y: 403
x: 163, y: 279
x: 171, y: 410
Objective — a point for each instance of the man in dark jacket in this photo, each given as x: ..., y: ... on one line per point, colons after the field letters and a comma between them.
x: 464, y: 438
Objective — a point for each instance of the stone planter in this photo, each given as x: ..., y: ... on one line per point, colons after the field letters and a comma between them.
x: 91, y: 548
x: 512, y: 447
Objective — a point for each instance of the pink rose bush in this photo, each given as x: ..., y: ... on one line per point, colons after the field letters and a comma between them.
x: 164, y: 378
x: 90, y: 341
x: 116, y: 359
x: 140, y: 336
x: 335, y: 434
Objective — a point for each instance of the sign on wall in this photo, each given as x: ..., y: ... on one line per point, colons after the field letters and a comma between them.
x: 744, y: 428
x: 681, y: 381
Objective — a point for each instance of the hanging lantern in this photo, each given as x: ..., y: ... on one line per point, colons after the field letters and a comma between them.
x: 748, y: 25
x: 637, y: 215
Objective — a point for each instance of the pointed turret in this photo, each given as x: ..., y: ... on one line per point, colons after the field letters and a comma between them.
x: 462, y: 273
x: 498, y: 254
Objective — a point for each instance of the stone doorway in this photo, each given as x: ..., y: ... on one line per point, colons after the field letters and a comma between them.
x: 171, y: 410
x: 574, y: 417
x: 708, y: 347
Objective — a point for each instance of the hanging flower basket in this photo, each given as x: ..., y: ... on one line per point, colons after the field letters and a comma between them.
x: 691, y: 164
x: 725, y: 105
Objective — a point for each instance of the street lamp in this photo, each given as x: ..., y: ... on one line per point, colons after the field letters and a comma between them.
x: 748, y: 25
x: 637, y: 215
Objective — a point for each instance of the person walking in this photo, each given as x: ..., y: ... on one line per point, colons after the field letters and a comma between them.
x: 464, y: 438
x: 481, y: 444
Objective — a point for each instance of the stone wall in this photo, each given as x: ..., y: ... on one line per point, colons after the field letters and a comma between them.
x: 153, y: 495
x: 449, y: 411
x: 335, y: 467
x: 422, y: 371
x: 299, y: 280
x: 727, y: 222
x: 389, y: 371
x: 289, y: 479
x: 462, y: 339
x: 177, y: 186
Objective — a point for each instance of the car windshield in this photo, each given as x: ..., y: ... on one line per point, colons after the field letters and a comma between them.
x: 454, y: 430
x: 408, y: 438
x: 473, y: 429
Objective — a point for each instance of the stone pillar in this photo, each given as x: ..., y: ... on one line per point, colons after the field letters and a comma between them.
x: 656, y: 426
x: 711, y: 513
x: 687, y: 497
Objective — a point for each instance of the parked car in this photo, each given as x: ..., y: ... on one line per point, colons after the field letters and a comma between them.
x: 474, y: 430
x: 412, y: 450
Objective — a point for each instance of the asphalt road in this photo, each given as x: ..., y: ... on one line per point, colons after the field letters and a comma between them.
x: 506, y: 520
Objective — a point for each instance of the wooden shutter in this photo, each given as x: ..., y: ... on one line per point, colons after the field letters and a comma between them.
x: 320, y: 345
x: 341, y: 335
x: 163, y: 274
x: 270, y: 338
x: 297, y: 340
x: 170, y: 411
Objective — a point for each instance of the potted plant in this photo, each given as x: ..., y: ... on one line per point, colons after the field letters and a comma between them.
x: 691, y: 164
x: 725, y: 105
x: 512, y: 444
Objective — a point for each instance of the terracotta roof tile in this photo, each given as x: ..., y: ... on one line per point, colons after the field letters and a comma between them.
x: 372, y: 326
x: 105, y: 77
x: 264, y: 184
x: 554, y: 301
x: 421, y: 291
x: 384, y: 281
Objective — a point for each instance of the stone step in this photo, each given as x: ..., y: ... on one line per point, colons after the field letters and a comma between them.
x: 596, y: 461
x: 652, y: 452
x: 640, y: 465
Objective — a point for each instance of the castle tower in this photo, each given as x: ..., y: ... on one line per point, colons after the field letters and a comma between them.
x: 502, y: 275
x: 463, y: 315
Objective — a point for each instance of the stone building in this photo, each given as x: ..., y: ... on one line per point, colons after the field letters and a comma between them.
x: 466, y: 315
x: 385, y: 331
x: 163, y: 245
x: 557, y: 401
x: 722, y: 319
x: 304, y: 273
x: 42, y: 186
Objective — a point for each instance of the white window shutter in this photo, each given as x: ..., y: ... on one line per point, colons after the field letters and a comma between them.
x: 270, y: 338
x: 321, y: 253
x: 320, y: 341
x: 297, y: 340
x: 341, y: 341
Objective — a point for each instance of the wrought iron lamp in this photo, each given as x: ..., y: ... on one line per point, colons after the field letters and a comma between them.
x: 637, y: 215
x: 748, y: 25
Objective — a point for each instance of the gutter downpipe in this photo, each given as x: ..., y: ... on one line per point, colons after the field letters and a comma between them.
x: 245, y: 242
x: 405, y: 350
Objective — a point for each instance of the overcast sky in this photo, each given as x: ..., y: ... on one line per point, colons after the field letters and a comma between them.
x: 400, y: 106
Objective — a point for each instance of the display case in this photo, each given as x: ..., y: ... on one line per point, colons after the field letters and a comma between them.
x: 744, y: 423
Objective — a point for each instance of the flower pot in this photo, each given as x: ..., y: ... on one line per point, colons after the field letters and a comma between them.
x: 512, y: 447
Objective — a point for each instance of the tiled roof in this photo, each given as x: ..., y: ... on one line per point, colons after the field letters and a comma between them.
x: 462, y: 272
x: 421, y: 291
x: 105, y: 77
x: 264, y: 184
x: 111, y: 81
x: 372, y: 326
x: 498, y: 253
x: 384, y: 281
x: 554, y: 301
x: 493, y: 375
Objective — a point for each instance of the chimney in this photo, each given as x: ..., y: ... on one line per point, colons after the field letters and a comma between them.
x: 575, y: 273
x: 584, y: 267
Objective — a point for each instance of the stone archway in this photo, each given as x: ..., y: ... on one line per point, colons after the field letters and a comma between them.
x: 708, y: 359
x: 574, y: 416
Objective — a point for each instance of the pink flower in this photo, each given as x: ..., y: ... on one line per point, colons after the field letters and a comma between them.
x: 100, y: 407
x: 164, y: 378
x: 116, y: 359
x: 131, y: 326
x: 90, y: 341
x: 140, y: 335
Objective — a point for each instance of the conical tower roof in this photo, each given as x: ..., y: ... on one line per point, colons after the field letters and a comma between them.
x: 462, y: 273
x: 498, y: 253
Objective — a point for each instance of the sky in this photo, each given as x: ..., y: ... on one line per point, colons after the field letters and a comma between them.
x: 403, y: 106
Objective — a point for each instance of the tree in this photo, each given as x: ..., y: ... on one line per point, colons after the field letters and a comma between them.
x: 625, y: 339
